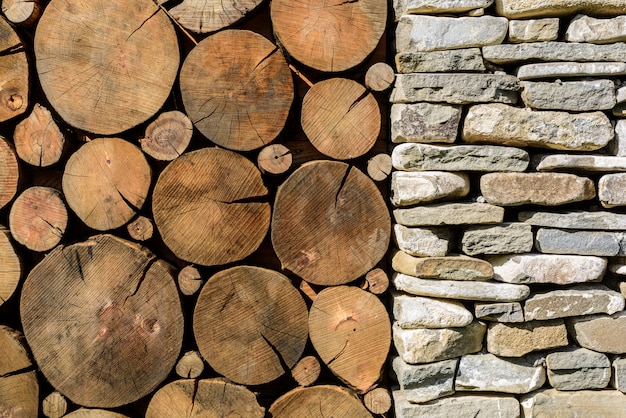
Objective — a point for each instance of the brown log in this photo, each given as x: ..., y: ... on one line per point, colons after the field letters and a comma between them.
x: 203, y: 398
x: 14, y: 69
x: 307, y: 290
x: 330, y: 224
x: 329, y: 36
x: 54, y: 405
x: 94, y: 413
x: 167, y: 136
x: 319, y: 402
x: 377, y: 401
x: 274, y: 159
x: 377, y: 281
x: 106, y: 182
x: 379, y: 167
x: 112, y: 312
x: 379, y: 77
x: 26, y: 13
x: 351, y: 331
x: 189, y: 280
x: 340, y: 118
x: 203, y: 16
x: 190, y: 365
x: 237, y: 89
x: 10, y: 267
x: 250, y: 324
x: 9, y: 172
x: 106, y: 87
x: 141, y: 229
x: 306, y: 371
x: 38, y: 218
x: 19, y: 389
x: 208, y: 207
x: 38, y: 140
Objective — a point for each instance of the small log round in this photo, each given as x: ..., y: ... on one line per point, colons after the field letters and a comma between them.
x: 306, y: 371
x: 377, y: 281
x: 351, y: 331
x: 189, y: 280
x: 237, y: 89
x: 38, y: 140
x: 190, y: 365
x: 106, y: 182
x: 203, y: 16
x: 112, y: 312
x: 189, y: 398
x: 54, y: 405
x: 250, y: 324
x: 377, y: 401
x: 379, y: 167
x: 9, y: 172
x: 19, y: 389
x: 10, y: 267
x: 38, y: 218
x: 94, y: 413
x: 379, y: 77
x: 106, y: 87
x: 167, y: 136
x: 15, y: 74
x: 274, y: 159
x: 22, y: 12
x: 319, y: 402
x: 141, y: 229
x: 340, y: 118
x: 330, y: 224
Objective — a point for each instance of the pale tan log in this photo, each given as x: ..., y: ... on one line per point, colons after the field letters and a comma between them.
x: 38, y: 140
x: 189, y: 280
x: 190, y: 365
x: 167, y: 136
x: 9, y: 172
x: 10, y: 267
x: 307, y: 290
x: 94, y: 413
x: 379, y: 167
x: 22, y: 12
x: 377, y: 401
x: 106, y: 87
x: 274, y: 159
x: 379, y: 77
x: 203, y: 16
x: 377, y: 281
x: 15, y: 74
x: 319, y: 402
x: 54, y: 405
x: 19, y: 389
x: 306, y: 371
x: 141, y: 229
x: 341, y: 118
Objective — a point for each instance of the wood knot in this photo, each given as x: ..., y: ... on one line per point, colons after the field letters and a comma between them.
x: 15, y: 102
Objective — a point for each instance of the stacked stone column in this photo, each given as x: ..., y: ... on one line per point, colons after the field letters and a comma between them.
x: 509, y: 196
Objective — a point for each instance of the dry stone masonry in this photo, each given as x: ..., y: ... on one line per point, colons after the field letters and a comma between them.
x: 508, y: 139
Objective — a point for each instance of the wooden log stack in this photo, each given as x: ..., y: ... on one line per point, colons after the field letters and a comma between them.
x: 192, y: 208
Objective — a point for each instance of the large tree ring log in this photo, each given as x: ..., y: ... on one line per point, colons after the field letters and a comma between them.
x: 19, y: 389
x: 319, y: 402
x: 333, y: 35
x: 10, y: 267
x: 13, y: 74
x: 330, y: 224
x: 104, y: 320
x: 237, y: 89
x: 106, y: 65
x: 9, y: 172
x: 204, y: 16
x: 208, y: 206
x: 250, y: 324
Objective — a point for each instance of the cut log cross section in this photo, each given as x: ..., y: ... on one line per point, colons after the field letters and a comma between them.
x: 205, y: 16
x: 14, y: 70
x: 19, y: 389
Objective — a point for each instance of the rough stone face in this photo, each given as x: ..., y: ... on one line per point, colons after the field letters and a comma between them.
x: 428, y: 345
x: 465, y: 290
x: 599, y: 243
x: 507, y: 238
x: 516, y: 340
x: 598, y: 31
x: 446, y: 268
x: 533, y: 8
x: 584, y: 403
x: 598, y: 332
x: 419, y: 157
x: 618, y: 378
x: 547, y: 268
x: 579, y: 96
x: 433, y: 33
x: 453, y: 60
x: 571, y: 69
x: 489, y: 373
x: 502, y: 124
x: 423, y: 242
x: 534, y: 30
x: 553, y: 51
x: 617, y: 265
x: 474, y: 406
x: 576, y: 220
x: 418, y: 187
x: 403, y: 7
x: 424, y: 122
x: 450, y: 214
x: 619, y: 145
x: 577, y: 301
x: 455, y: 88
x: 582, y: 162
x: 425, y: 382
x: 499, y: 312
x: 420, y: 312
x: 547, y: 189
x: 612, y: 190
x: 578, y: 369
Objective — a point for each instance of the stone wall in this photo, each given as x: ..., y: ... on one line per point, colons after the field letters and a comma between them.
x: 509, y: 196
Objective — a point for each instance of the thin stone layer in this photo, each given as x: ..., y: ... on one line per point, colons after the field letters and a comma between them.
x: 571, y: 69
x: 578, y: 96
x: 598, y: 243
x: 424, y: 122
x: 516, y: 9
x: 425, y: 382
x: 453, y: 60
x: 599, y: 163
x: 411, y: 188
x: 450, y: 214
x: 609, y: 221
x: 420, y: 312
x: 516, y: 340
x: 507, y: 238
x: 582, y: 403
x: 554, y: 51
x: 598, y: 31
x: 475, y: 406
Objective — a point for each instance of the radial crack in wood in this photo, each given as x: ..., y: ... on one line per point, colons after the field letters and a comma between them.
x: 19, y: 388
x: 168, y: 136
x: 202, y: 16
x: 38, y: 140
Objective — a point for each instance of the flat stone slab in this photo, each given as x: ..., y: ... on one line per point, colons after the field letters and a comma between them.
x: 516, y: 340
x: 612, y: 190
x: 554, y: 51
x: 425, y: 382
x: 576, y: 301
x: 618, y: 378
x: 489, y: 373
x: 475, y: 406
x: 445, y: 268
x: 420, y: 312
x: 619, y: 144
x: 507, y: 238
x: 403, y: 7
x: 499, y: 312
x: 411, y: 188
x: 578, y: 369
x: 547, y: 189
x: 598, y: 332
x: 582, y: 403
x: 424, y: 122
x: 421, y: 157
x: 450, y: 214
x: 428, y: 345
x: 579, y: 96
x: 598, y: 243
x: 598, y: 31
x: 571, y: 69
x: 502, y: 124
x: 456, y: 88
x: 423, y: 242
x: 432, y: 33
x: 576, y: 220
x: 453, y: 60
x: 547, y: 268
x: 532, y: 8
x: 582, y: 162
x: 465, y: 290
x: 534, y: 30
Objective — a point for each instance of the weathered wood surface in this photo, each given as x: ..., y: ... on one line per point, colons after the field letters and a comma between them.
x: 19, y: 389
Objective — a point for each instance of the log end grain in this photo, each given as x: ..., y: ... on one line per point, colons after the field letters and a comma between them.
x: 189, y: 280
x: 379, y: 167
x: 168, y: 136
x: 15, y: 74
x: 190, y: 365
x: 379, y: 77
x: 54, y: 405
x: 141, y: 229
x: 325, y: 400
x: 202, y: 16
x: 10, y: 267
x: 306, y: 371
x: 377, y: 281
x: 19, y: 388
x: 38, y: 140
x: 274, y: 159
x: 9, y: 173
x: 377, y: 401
